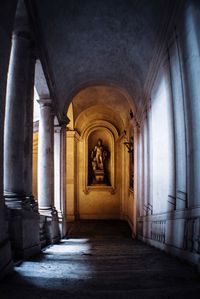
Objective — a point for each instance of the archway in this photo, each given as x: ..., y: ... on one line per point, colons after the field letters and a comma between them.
x: 99, y: 111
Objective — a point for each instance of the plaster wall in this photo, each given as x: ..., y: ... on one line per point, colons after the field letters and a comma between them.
x: 162, y: 144
x: 174, y: 225
x: 71, y: 178
x: 179, y: 123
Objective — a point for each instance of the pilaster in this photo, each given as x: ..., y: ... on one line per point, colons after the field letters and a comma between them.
x: 188, y: 46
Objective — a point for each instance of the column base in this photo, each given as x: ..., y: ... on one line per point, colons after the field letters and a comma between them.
x: 24, y: 233
x: 43, y: 239
x: 20, y: 201
x: 6, y: 262
x: 49, y: 226
x: 62, y: 224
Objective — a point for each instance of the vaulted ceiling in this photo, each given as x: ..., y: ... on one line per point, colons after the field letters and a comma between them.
x: 89, y: 42
x: 101, y: 102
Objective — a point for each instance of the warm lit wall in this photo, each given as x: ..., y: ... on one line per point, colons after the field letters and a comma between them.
x: 96, y: 121
x: 93, y: 202
x: 98, y: 112
x: 102, y: 203
x: 71, y: 178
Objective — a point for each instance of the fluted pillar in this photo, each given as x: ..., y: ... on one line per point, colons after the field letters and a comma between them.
x: 49, y: 215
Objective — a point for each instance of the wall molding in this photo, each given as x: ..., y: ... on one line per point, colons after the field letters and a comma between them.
x: 112, y: 132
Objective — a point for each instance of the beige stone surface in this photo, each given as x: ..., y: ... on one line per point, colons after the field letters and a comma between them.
x: 98, y: 112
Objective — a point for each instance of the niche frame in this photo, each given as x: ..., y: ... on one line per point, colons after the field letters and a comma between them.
x: 112, y: 131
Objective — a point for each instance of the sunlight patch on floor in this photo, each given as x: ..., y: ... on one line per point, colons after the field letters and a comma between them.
x: 56, y: 262
x: 70, y: 246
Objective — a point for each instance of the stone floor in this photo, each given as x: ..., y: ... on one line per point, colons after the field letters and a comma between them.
x: 100, y: 260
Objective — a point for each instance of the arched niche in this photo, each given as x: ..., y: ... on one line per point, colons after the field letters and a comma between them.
x: 108, y: 134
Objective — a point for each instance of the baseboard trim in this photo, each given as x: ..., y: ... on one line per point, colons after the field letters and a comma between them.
x: 190, y: 257
x: 70, y: 218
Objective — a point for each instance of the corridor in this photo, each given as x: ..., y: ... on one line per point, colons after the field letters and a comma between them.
x: 99, y: 259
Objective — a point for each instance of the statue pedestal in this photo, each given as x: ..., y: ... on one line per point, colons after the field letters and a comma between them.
x: 99, y: 176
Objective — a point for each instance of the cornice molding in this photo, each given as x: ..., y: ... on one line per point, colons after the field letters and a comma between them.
x: 47, y: 103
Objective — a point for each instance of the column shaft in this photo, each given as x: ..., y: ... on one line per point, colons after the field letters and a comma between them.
x: 5, y: 41
x: 46, y: 157
x: 18, y: 124
x: 60, y: 175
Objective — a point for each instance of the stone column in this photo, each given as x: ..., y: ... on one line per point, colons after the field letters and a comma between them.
x: 60, y: 175
x: 46, y: 170
x: 19, y: 125
x: 18, y: 147
x: 6, y: 26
